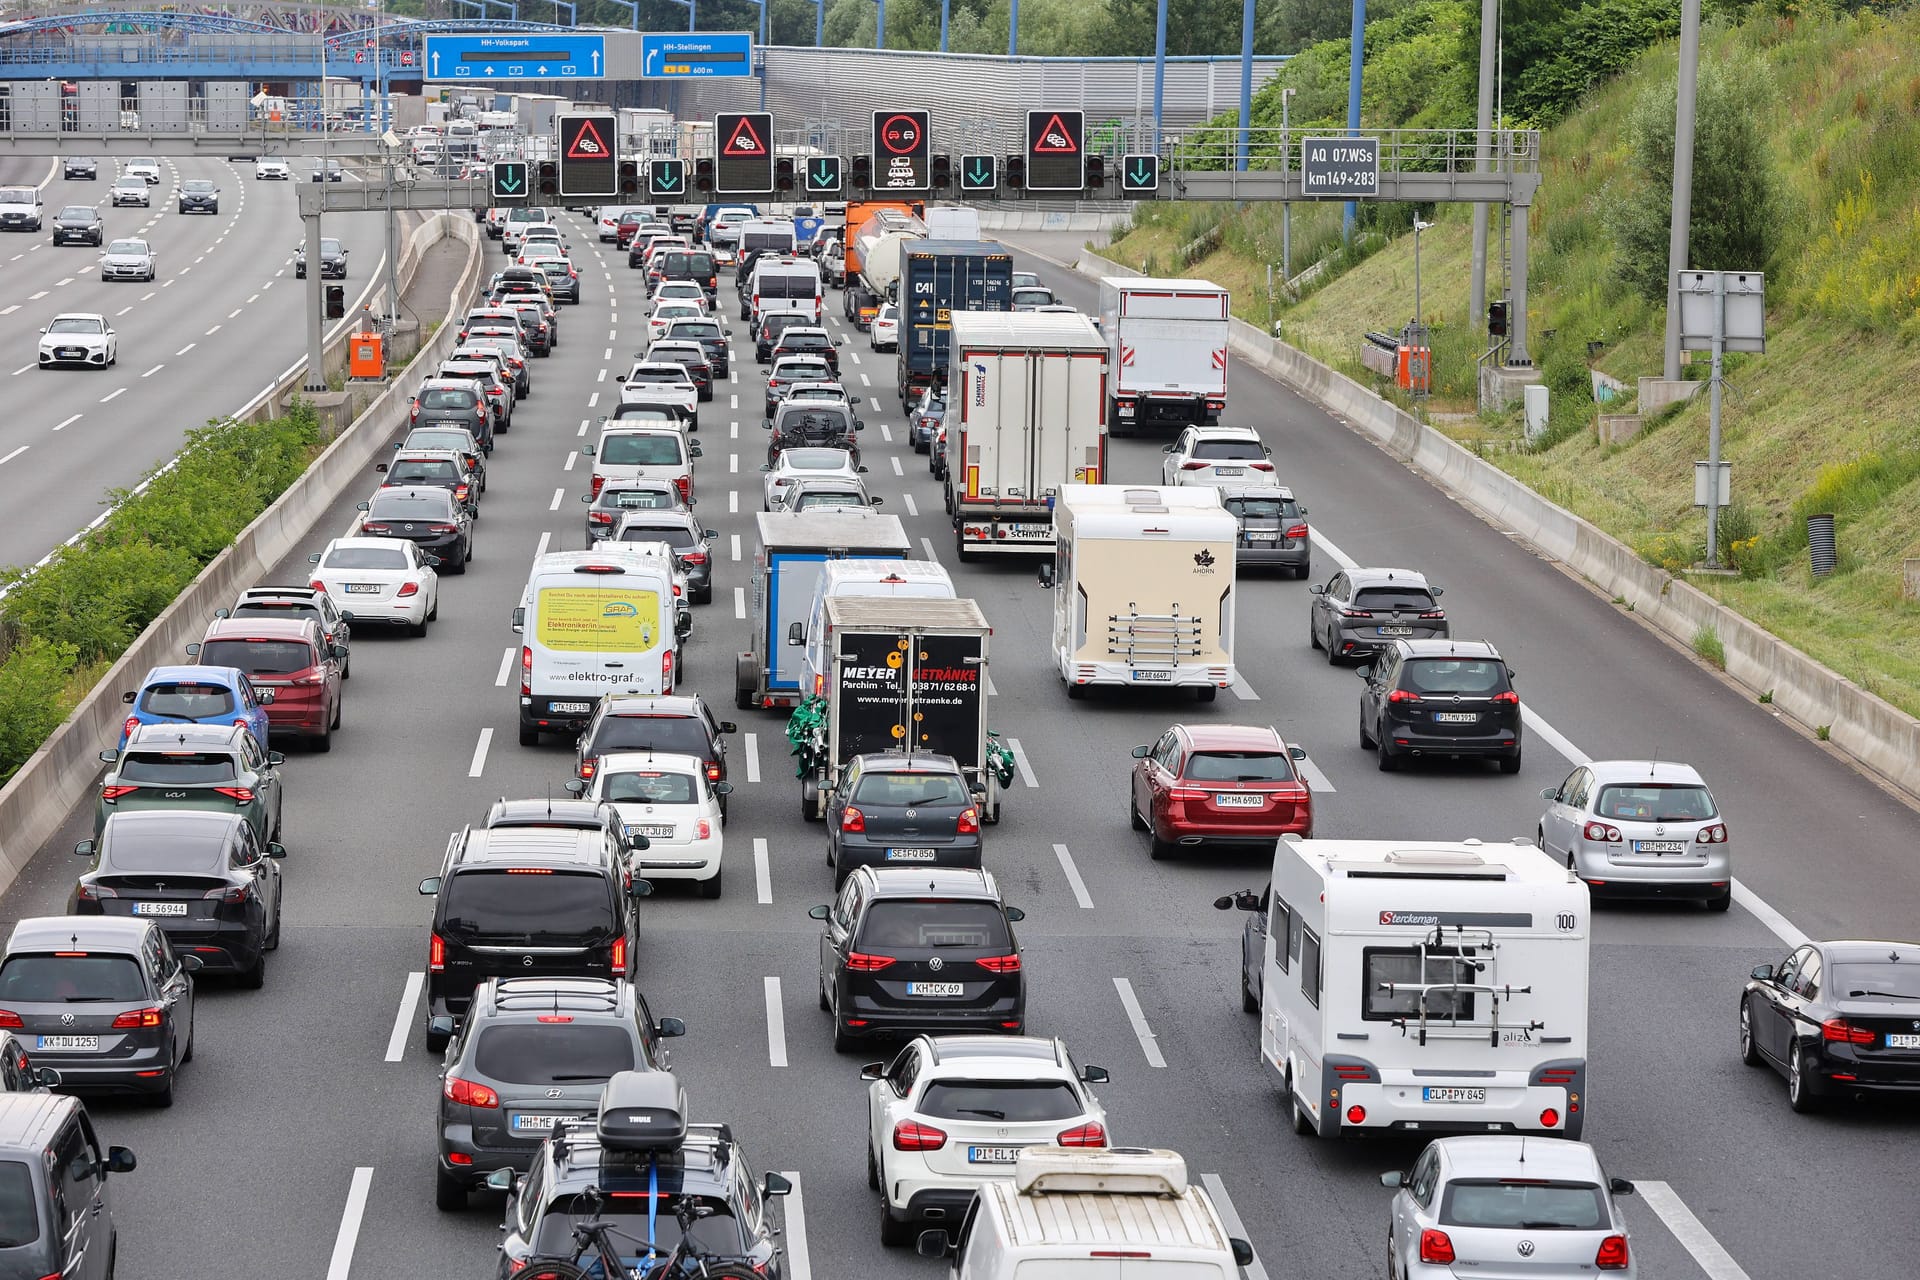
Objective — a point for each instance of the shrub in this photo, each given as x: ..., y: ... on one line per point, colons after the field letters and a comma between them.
x: 30, y: 677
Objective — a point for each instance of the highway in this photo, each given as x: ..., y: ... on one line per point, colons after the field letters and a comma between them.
x: 303, y: 1139
x: 219, y: 325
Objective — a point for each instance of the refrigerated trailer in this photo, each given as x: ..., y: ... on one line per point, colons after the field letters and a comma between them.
x: 1168, y: 343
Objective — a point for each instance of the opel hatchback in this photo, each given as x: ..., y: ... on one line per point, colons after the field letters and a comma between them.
x: 1452, y: 698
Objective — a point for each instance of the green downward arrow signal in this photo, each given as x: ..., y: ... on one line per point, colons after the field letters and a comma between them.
x: 979, y: 173
x: 669, y: 179
x: 823, y: 173
x: 509, y: 183
x: 1142, y: 174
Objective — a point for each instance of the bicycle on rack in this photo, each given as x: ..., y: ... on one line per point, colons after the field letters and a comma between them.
x: 595, y: 1256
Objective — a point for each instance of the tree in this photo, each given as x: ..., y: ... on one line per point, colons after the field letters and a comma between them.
x: 1193, y: 27
x: 1292, y: 25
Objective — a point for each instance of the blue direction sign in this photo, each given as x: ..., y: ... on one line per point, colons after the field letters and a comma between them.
x: 696, y: 55
x: 524, y: 56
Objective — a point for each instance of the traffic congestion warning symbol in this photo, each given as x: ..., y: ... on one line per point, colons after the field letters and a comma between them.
x: 587, y: 144
x: 745, y: 141
x: 1055, y: 139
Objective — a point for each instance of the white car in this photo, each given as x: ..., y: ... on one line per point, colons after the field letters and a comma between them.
x: 649, y: 452
x: 130, y: 191
x: 812, y: 493
x: 1640, y: 828
x: 665, y: 383
x: 1474, y: 1204
x: 812, y: 463
x: 380, y: 580
x: 952, y: 1113
x: 78, y: 337
x: 272, y: 169
x: 884, y: 333
x: 665, y: 313
x: 546, y: 233
x: 666, y: 798
x: 824, y: 392
x: 127, y: 260
x: 147, y: 169
x: 681, y: 291
x: 1216, y: 456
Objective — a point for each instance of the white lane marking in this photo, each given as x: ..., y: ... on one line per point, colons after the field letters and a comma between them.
x: 932, y: 555
x: 733, y: 376
x: 876, y: 403
x: 23, y: 368
x: 776, y: 1024
x: 249, y: 302
x: 1757, y: 907
x: 69, y: 422
x: 558, y: 494
x: 209, y: 333
x: 912, y: 510
x: 752, y: 743
x: 733, y: 431
x: 733, y: 546
x: 583, y: 429
x: 16, y: 453
x: 799, y: 1257
x: 58, y: 283
x: 762, y: 876
x: 895, y: 460
x: 122, y: 311
x: 602, y: 377
x: 1020, y: 762
x: 1141, y: 1031
x: 1317, y: 780
x: 149, y: 293
x: 609, y: 354
x: 1690, y: 1231
x: 113, y: 395
x: 541, y: 549
x: 886, y: 433
x: 593, y: 401
x: 340, y: 1267
x: 7, y: 311
x: 403, y: 1020
x: 506, y: 666
x: 1553, y: 737
x: 613, y: 335
x: 865, y: 381
x: 571, y: 459
x: 1230, y: 1219
x: 991, y: 691
x: 190, y: 346
x: 855, y: 355
x: 236, y: 311
x: 479, y: 763
x: 35, y: 297
x: 733, y: 464
x: 157, y: 368
x: 740, y: 602
x: 736, y: 401
x: 733, y: 502
x: 1078, y: 885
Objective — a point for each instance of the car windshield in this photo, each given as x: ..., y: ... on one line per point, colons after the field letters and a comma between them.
x: 259, y: 657
x: 681, y: 735
x: 1453, y: 675
x: 909, y: 789
x: 499, y: 903
x: 75, y: 324
x: 1000, y: 1101
x: 646, y: 787
x: 1654, y: 802
x: 128, y: 247
x: 932, y: 922
x: 197, y: 187
x: 329, y: 248
x: 1390, y: 599
x: 19, y: 1217
x: 422, y: 471
x: 411, y: 507
x: 176, y: 767
x: 1227, y: 450
x: 804, y: 341
x: 78, y: 212
x: 1240, y: 766
x: 190, y: 700
x: 1878, y: 980
x: 1524, y: 1205
x: 547, y: 1053
x: 718, y: 1234
x: 640, y: 451
x: 71, y: 979
x: 137, y: 184
x: 366, y: 558
x: 1264, y: 508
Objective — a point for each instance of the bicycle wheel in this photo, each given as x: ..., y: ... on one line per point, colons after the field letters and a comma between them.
x: 551, y: 1270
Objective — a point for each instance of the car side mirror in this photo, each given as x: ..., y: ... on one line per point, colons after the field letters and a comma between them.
x: 499, y: 1179
x: 1296, y: 753
x: 1317, y: 589
x: 50, y: 1078
x: 381, y: 466
x: 192, y: 964
x: 587, y: 449
x: 1094, y: 1075
x: 430, y: 561
x: 336, y: 650
x: 1550, y: 793
x: 363, y: 506
x: 586, y: 497
x: 818, y: 913
x: 1438, y: 592
x: 109, y: 756
x: 1620, y: 1186
x: 346, y: 617
x: 84, y: 849
x: 575, y: 786
x: 695, y: 451
x: 775, y: 1185
x: 873, y: 1071
x: 1365, y: 672
x: 119, y: 1159
x: 1242, y: 1251
x: 430, y: 886
x: 683, y: 626
x: 193, y: 650
x: 723, y: 788
x: 1015, y: 915
x: 878, y: 502
x: 1762, y: 972
x: 1142, y: 751
x: 1166, y: 448
x: 796, y: 633
x: 1512, y: 674
x: 860, y: 470
x: 266, y: 696
x: 314, y: 558
x: 1393, y: 1179
x: 1046, y: 576
x: 228, y: 613
x: 127, y: 697
x: 934, y: 1244
x: 640, y: 888
x: 669, y: 1028
x: 275, y: 849
x: 1304, y: 511
x: 519, y: 621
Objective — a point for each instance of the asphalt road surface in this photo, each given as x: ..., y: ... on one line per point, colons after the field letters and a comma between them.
x: 302, y: 1142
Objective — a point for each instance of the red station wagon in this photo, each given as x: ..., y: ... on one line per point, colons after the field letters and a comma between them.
x: 1218, y: 785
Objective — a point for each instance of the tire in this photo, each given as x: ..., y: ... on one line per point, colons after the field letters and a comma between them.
x: 255, y: 977
x: 1313, y: 633
x: 842, y: 1042
x: 710, y: 889
x: 1133, y: 813
x: 1800, y: 1088
x: 162, y: 1100
x: 529, y: 736
x: 1076, y: 692
x: 324, y: 743
x: 1297, y: 1113
x: 449, y: 1193
x: 1366, y: 739
x: 1389, y: 762
x: 1247, y: 1003
x: 417, y: 629
x: 873, y: 1170
x: 1510, y: 764
x: 1722, y: 903
x: 273, y: 938
x: 825, y: 1005
x: 1206, y: 694
x: 1333, y: 650
x: 810, y: 802
x: 1300, y: 572
x: 1161, y: 850
x: 894, y: 1233
x: 1749, y: 1051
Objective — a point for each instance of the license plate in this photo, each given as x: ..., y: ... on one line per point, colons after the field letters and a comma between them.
x: 87, y: 1043
x: 1455, y: 717
x: 1229, y: 471
x: 1268, y: 536
x: 535, y: 1124
x: 654, y: 832
x: 159, y: 908
x: 362, y: 588
x: 70, y: 353
x: 1152, y: 675
x: 1452, y: 1093
x: 1239, y: 799
x: 992, y: 1155
x: 1903, y: 1042
x: 1394, y: 631
x: 934, y: 988
x: 569, y: 708
x: 1659, y: 846
x: 910, y: 855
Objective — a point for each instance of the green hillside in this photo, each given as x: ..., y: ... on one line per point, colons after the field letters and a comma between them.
x: 1824, y: 421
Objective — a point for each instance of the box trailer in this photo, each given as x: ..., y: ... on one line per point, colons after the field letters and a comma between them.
x: 1168, y: 344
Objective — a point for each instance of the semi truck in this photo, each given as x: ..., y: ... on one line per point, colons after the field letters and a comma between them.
x: 880, y: 222
x: 904, y: 674
x: 939, y: 280
x: 1167, y: 346
x: 1026, y: 413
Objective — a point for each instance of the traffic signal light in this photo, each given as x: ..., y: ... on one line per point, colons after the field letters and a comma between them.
x: 549, y: 181
x: 629, y: 179
x: 703, y: 173
x: 942, y: 172
x: 863, y: 171
x: 1096, y: 172
x: 1497, y: 319
x: 336, y: 301
x: 1016, y: 172
x: 783, y: 174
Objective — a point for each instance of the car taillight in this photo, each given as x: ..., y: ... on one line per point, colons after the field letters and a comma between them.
x: 617, y: 955
x: 408, y: 589
x: 126, y: 730
x: 703, y: 830
x: 1297, y: 531
x: 1612, y: 1255
x: 589, y: 767
x: 232, y: 895
x: 685, y: 485
x: 1558, y: 1075
x: 666, y: 671
x: 1549, y: 1118
x: 1000, y: 964
x: 598, y: 482
x: 317, y: 585
x: 1435, y: 1246
x: 695, y: 557
x: 437, y: 953
x: 460, y: 492
x: 853, y: 820
x: 1261, y: 466
x: 467, y: 1093
x: 136, y: 1018
x: 1086, y: 1135
x: 1193, y: 466
x: 861, y: 962
x: 1506, y: 698
x: 526, y: 669
x: 1434, y: 614
x: 969, y: 821
x: 1403, y: 695
x: 1601, y: 832
x: 1840, y: 1031
x: 113, y: 793
x: 443, y: 528
x: 1187, y: 793
x: 8, y: 1018
x: 371, y: 527
x: 93, y: 892
x: 1715, y: 834
x: 911, y: 1135
x: 415, y: 415
x: 239, y: 795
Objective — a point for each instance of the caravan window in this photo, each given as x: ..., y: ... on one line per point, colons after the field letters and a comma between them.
x: 1283, y: 927
x: 1310, y: 966
x: 1402, y: 967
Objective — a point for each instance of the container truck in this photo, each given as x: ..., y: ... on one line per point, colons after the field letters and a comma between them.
x: 1167, y: 346
x: 939, y: 280
x: 1026, y: 413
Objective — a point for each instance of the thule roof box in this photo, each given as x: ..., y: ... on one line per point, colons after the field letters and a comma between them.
x: 642, y: 1111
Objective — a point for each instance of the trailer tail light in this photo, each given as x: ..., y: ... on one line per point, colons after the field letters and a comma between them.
x: 1558, y: 1075
x: 1613, y: 1254
x: 1549, y: 1119
x: 1436, y: 1247
x: 911, y: 1135
x: 1356, y: 1114
x: 1601, y: 832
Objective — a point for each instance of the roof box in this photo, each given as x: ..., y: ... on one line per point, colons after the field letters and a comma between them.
x: 1137, y: 1171
x: 642, y: 1111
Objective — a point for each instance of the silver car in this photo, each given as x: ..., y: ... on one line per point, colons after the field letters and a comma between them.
x: 1273, y: 528
x: 130, y: 190
x: 1506, y: 1205
x: 127, y: 260
x: 1640, y: 829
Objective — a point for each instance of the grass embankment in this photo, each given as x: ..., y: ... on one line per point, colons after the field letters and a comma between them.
x: 1823, y: 422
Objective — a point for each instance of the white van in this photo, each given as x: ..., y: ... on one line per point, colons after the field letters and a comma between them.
x: 639, y: 450
x: 1125, y: 1213
x: 767, y: 233
x: 919, y: 579
x: 784, y: 284
x: 595, y: 622
x: 514, y: 227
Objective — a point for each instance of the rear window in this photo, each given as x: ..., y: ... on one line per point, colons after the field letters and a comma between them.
x: 1387, y: 599
x: 366, y: 558
x: 694, y: 329
x: 530, y: 908
x: 787, y: 284
x: 1264, y: 508
x: 1216, y: 450
x: 193, y: 701
x: 1883, y: 980
x: 277, y: 609
x: 1451, y: 675
x: 805, y: 371
x: 177, y: 767
x: 1240, y: 766
x: 681, y: 734
x: 650, y: 788
x: 687, y: 265
x: 19, y: 1213
x: 816, y: 422
x: 429, y: 472
x: 830, y: 498
x: 411, y: 507
x: 805, y: 342
x: 53, y: 979
x: 905, y: 790
x: 674, y: 535
x: 717, y: 1234
x: 1000, y: 1101
x: 1524, y: 1206
x: 640, y: 451
x: 260, y: 657
x: 1655, y: 802
x: 930, y: 922
x: 553, y: 1052
x: 638, y: 499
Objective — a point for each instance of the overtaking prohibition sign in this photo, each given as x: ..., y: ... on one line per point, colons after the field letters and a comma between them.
x: 902, y: 144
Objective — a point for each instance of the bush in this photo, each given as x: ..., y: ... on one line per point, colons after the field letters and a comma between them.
x: 30, y: 676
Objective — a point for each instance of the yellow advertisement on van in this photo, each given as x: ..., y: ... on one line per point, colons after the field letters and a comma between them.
x: 598, y: 618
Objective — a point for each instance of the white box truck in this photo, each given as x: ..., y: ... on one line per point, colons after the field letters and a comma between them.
x: 1427, y: 985
x: 1168, y: 343
x: 1143, y: 591
x: 1026, y: 414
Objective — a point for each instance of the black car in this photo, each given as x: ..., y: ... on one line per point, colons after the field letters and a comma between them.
x: 696, y: 265
x: 807, y: 340
x: 328, y: 171
x: 1451, y: 698
x: 1838, y: 1019
x: 691, y: 356
x: 920, y: 949
x: 782, y: 377
x: 564, y: 279
x: 605, y: 508
x: 430, y: 518
x: 197, y: 195
x: 456, y: 402
x: 888, y: 809
x: 676, y: 722
x: 1253, y: 942
x: 525, y: 902
x: 537, y: 332
x: 923, y: 420
x: 640, y: 1167
x: 333, y: 261
x: 106, y: 1002
x: 1361, y: 611
x: 204, y: 878
x: 810, y: 424
x: 437, y: 469
x: 532, y: 1054
x: 298, y: 602
x: 711, y: 337
x: 80, y: 168
x: 767, y: 336
x: 79, y: 224
x: 683, y: 536
x: 53, y: 1182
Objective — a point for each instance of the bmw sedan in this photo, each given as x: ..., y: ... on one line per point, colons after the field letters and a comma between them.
x: 1838, y: 1020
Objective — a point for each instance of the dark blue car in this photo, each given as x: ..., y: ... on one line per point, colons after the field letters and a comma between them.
x: 197, y: 695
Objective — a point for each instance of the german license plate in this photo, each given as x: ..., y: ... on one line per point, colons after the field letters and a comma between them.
x: 569, y: 708
x: 535, y: 1124
x: 992, y: 1155
x: 1229, y: 471
x: 1659, y: 846
x: 70, y: 353
x: 655, y: 832
x: 159, y: 908
x: 1239, y: 799
x: 1903, y: 1042
x: 362, y: 588
x: 934, y: 988
x: 81, y: 1043
x: 1455, y: 717
x: 1394, y: 631
x: 1452, y: 1093
x: 1138, y: 674
x: 910, y: 855
x: 1263, y: 535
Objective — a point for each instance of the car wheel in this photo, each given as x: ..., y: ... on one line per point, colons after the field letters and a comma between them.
x: 842, y: 1041
x: 1206, y: 693
x: 1333, y: 649
x: 894, y: 1233
x: 1313, y: 633
x: 273, y: 938
x: 324, y: 743
x: 529, y: 736
x: 1800, y: 1089
x: 1160, y: 850
x: 1366, y: 739
x: 1076, y: 692
x: 1722, y: 903
x: 710, y: 889
x: 1133, y: 813
x: 1297, y: 1111
x: 1389, y: 762
x: 449, y: 1193
x: 163, y: 1099
x: 825, y: 1005
x: 1510, y: 764
x: 255, y: 975
x: 1749, y: 1051
x: 417, y: 629
x: 1247, y: 1002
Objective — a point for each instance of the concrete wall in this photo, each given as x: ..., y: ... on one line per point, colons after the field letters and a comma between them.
x: 37, y: 800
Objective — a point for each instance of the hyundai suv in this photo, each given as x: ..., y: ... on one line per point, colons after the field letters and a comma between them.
x: 1450, y: 698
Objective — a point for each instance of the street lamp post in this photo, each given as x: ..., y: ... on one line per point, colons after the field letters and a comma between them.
x: 1159, y: 69
x: 1418, y: 227
x: 1013, y: 28
x: 1286, y: 206
x: 880, y: 25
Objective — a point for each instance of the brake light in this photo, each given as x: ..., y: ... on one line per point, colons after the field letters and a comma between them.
x: 8, y: 1018
x: 1261, y: 466
x: 589, y: 767
x: 617, y: 956
x: 240, y: 795
x: 911, y: 1135
x: 92, y: 892
x: 1506, y: 698
x: 467, y: 1093
x: 437, y: 953
x: 414, y: 416
x: 666, y: 671
x: 1297, y: 531
x: 861, y: 962
x: 1601, y: 832
x: 1186, y: 793
x: 1612, y: 1255
x: 695, y: 557
x: 408, y: 589
x: 853, y: 820
x: 1000, y: 964
x: 1356, y: 613
x: 1356, y: 1114
x: 1193, y: 466
x: 1558, y: 1075
x: 1549, y: 1118
x: 460, y: 492
x: 133, y: 1019
x: 554, y: 1017
x: 1840, y: 1031
x: 1403, y: 695
x: 713, y: 771
x: 1715, y: 834
x: 317, y: 585
x: 113, y: 793
x: 235, y: 896
x: 1436, y: 1247
x: 599, y: 517
x: 370, y: 527
x: 598, y: 482
x: 969, y: 823
x: 444, y: 528
x: 126, y: 730
x: 1086, y: 1135
x: 526, y: 670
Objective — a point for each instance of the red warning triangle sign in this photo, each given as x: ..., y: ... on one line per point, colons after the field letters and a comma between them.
x: 587, y: 144
x: 744, y: 142
x: 1055, y: 139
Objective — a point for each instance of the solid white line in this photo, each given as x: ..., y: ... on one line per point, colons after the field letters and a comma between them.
x: 1755, y: 906
x: 480, y: 753
x: 1078, y: 885
x: 16, y: 453
x: 403, y: 1020
x: 1690, y: 1231
x: 1020, y: 762
x: 1316, y: 779
x: 1552, y: 736
x: 341, y: 1265
x: 799, y: 1257
x: 733, y: 546
x: 932, y: 555
x: 762, y: 876
x: 69, y: 422
x: 1242, y: 690
x: 776, y: 1025
x: 1142, y: 1032
x: 113, y: 395
x: 752, y: 744
x: 506, y: 666
x: 912, y: 509
x: 895, y: 460
x: 739, y: 602
x: 558, y: 495
x: 1230, y: 1219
